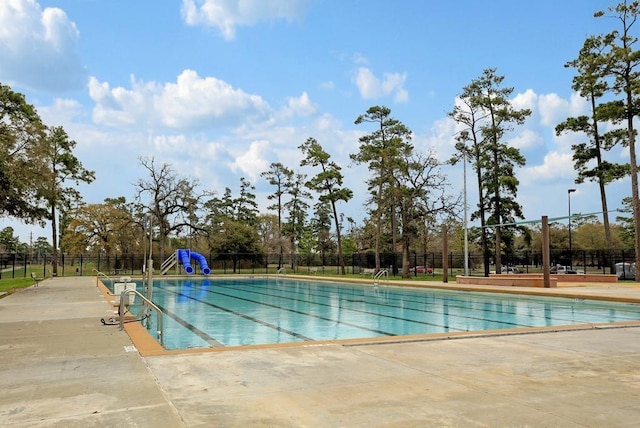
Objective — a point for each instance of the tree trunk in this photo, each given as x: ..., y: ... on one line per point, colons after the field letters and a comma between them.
x: 634, y: 189
x: 340, y: 257
x: 54, y: 238
x: 378, y: 225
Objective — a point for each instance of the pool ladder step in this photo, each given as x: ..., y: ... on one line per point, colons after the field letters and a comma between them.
x: 380, y: 274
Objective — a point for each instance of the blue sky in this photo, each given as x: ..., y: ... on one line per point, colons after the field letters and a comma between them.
x: 219, y: 89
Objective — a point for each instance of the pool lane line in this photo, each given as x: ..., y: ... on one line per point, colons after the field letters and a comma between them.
x: 591, y: 304
x: 584, y: 312
x: 248, y: 287
x: 192, y: 328
x: 359, y: 327
x: 446, y: 327
x: 250, y: 318
x: 324, y: 289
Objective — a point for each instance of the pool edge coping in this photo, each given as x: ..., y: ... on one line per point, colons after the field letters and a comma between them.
x: 147, y: 346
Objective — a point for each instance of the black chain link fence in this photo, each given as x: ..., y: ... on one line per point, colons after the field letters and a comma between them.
x: 586, y: 261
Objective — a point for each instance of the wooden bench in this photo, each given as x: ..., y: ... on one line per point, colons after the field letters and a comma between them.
x: 312, y: 269
x: 367, y: 271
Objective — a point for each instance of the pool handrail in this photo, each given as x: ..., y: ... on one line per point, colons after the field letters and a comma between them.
x: 148, y: 302
x: 98, y: 274
x: 380, y: 274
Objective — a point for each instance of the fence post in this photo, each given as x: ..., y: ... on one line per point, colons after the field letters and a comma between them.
x: 445, y: 259
x: 546, y: 262
x: 451, y: 262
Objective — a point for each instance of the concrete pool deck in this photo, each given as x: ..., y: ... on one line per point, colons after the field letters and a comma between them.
x: 61, y: 367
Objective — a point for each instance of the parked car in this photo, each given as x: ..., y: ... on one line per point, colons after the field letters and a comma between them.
x: 562, y: 270
x: 421, y: 269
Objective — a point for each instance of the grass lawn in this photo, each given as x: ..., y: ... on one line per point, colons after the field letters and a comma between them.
x: 10, y: 285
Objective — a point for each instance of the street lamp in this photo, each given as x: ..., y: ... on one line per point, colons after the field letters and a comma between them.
x: 461, y: 146
x: 466, y: 233
x: 569, y: 192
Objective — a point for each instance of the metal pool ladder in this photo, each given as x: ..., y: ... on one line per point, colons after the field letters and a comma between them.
x: 99, y: 274
x: 381, y: 273
x: 148, y: 302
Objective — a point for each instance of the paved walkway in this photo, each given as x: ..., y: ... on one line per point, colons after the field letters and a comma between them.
x: 61, y: 367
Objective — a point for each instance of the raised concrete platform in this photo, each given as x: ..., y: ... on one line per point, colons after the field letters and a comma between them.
x: 508, y: 280
x: 587, y: 277
x: 535, y: 279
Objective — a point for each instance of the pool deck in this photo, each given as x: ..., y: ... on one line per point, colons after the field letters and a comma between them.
x: 61, y: 367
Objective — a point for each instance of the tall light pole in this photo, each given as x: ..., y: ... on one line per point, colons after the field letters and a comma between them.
x: 466, y: 233
x: 569, y: 192
x: 462, y: 147
x: 150, y: 261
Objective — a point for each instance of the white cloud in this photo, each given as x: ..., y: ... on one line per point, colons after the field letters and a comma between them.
x: 169, y: 143
x: 526, y: 139
x: 372, y: 87
x: 328, y: 85
x: 327, y: 122
x: 359, y: 58
x: 441, y: 139
x: 527, y: 99
x: 192, y: 102
x: 551, y: 108
x: 302, y: 105
x: 39, y: 47
x: 554, y: 110
x: 195, y: 101
x: 120, y: 107
x: 253, y: 161
x: 62, y: 111
x: 226, y: 15
x: 555, y: 166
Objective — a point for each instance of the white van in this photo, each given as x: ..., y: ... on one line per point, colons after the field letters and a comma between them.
x: 626, y: 270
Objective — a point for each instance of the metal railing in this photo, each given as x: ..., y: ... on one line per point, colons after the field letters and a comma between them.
x: 121, y: 310
x: 99, y: 274
x: 381, y: 273
x: 169, y: 263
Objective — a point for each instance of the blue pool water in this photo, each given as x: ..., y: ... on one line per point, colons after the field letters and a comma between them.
x: 202, y: 313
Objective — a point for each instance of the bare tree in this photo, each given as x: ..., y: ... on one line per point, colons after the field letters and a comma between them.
x: 171, y: 201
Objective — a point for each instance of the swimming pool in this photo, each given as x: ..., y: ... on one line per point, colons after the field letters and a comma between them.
x: 203, y: 313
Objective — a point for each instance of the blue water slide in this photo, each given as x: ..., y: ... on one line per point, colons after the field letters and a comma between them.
x: 204, y: 267
x: 185, y: 257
